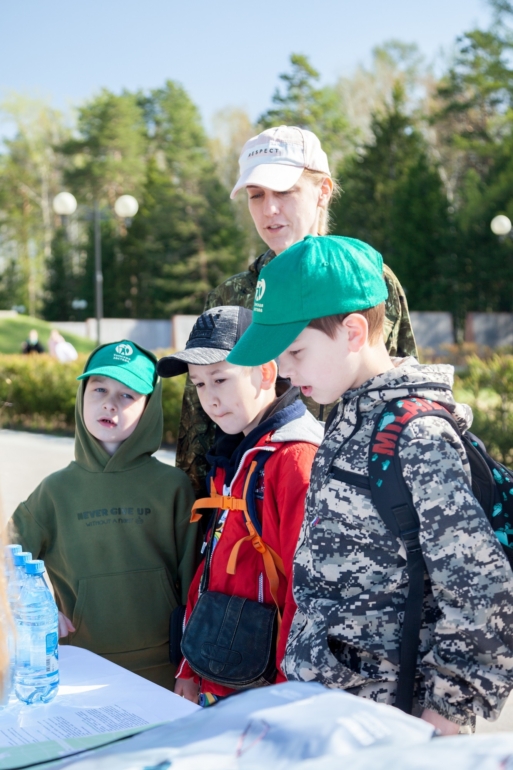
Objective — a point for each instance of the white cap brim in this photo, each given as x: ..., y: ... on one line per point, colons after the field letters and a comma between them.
x: 274, y: 176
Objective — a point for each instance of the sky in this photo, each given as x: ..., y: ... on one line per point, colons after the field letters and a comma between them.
x: 226, y: 53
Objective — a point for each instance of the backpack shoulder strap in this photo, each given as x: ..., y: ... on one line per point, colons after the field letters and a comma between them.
x: 394, y: 503
x: 273, y: 563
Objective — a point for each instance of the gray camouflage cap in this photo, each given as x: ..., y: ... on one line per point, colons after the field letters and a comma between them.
x: 213, y: 336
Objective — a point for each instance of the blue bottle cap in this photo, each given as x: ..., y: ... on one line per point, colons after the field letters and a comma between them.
x: 13, y: 548
x: 35, y: 567
x: 21, y: 558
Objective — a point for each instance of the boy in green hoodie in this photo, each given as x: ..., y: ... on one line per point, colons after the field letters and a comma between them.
x: 113, y: 527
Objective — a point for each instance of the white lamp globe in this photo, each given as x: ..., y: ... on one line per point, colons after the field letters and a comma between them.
x: 501, y: 225
x: 126, y: 206
x: 64, y: 204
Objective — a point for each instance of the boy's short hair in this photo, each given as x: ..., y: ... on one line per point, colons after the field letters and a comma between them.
x: 375, y: 317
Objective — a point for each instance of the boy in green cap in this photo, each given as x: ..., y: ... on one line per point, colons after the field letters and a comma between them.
x: 319, y: 306
x: 113, y: 527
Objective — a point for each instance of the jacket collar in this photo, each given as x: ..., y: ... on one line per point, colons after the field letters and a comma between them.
x: 228, y: 450
x: 261, y: 261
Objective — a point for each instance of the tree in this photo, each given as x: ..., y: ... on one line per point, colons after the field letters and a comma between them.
x: 473, y: 101
x: 184, y: 240
x: 394, y: 199
x: 107, y: 158
x: 231, y: 130
x: 473, y: 126
x: 302, y: 103
x: 29, y: 178
x: 369, y: 90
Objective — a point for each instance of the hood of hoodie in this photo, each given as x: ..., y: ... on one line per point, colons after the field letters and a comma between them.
x: 287, y: 419
x: 408, y: 377
x: 135, y: 450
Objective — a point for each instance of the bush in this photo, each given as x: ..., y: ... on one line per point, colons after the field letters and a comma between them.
x: 38, y: 393
x: 487, y: 386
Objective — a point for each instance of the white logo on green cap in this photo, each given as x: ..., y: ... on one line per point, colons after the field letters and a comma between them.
x: 124, y: 350
x: 260, y: 290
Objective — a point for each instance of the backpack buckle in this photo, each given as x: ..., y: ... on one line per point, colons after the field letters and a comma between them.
x: 411, y: 540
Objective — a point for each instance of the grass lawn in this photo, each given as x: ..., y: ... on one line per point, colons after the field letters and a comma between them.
x: 13, y: 332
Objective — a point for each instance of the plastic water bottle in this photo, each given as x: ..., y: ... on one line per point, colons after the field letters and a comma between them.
x: 9, y: 551
x: 7, y: 623
x: 36, y: 676
x: 15, y: 580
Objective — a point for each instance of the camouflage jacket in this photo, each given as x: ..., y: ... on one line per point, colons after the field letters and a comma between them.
x: 196, y: 431
x: 350, y: 579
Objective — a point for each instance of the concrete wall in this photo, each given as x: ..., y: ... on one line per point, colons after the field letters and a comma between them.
x: 148, y: 333
x: 72, y: 327
x: 181, y: 328
x: 491, y: 329
x: 432, y: 330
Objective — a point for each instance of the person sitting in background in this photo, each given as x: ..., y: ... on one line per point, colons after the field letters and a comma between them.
x: 113, y: 527
x: 32, y: 344
x: 60, y: 349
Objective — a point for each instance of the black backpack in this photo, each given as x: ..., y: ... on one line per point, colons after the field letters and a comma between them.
x: 492, y: 485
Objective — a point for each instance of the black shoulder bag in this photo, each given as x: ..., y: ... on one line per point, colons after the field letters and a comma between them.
x: 231, y: 640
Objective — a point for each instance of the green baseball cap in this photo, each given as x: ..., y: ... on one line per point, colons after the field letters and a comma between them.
x: 317, y: 277
x: 125, y: 362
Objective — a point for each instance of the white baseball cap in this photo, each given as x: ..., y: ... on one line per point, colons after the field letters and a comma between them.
x: 277, y: 157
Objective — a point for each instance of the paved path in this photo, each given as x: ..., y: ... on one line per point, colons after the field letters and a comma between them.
x: 26, y: 458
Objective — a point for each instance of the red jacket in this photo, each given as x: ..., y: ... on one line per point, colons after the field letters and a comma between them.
x: 286, y: 476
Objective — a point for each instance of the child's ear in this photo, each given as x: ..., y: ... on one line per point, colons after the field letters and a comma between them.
x: 269, y: 373
x: 357, y: 331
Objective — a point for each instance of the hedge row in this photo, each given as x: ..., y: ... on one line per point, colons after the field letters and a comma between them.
x: 38, y: 393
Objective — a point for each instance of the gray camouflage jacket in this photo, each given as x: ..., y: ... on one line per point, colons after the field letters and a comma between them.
x: 350, y: 579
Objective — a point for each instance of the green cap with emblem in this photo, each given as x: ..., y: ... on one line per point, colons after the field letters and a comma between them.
x: 125, y: 362
x: 317, y: 277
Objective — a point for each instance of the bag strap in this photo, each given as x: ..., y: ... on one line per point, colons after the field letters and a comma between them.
x: 394, y: 503
x: 223, y: 502
x: 272, y: 561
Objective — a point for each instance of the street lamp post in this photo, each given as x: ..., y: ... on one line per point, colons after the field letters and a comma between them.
x: 98, y: 273
x: 126, y: 207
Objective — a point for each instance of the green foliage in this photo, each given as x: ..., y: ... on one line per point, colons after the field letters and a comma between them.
x: 38, y: 393
x: 14, y: 331
x: 304, y: 104
x: 29, y: 178
x: 394, y: 199
x: 172, y: 394
x: 184, y: 240
x: 488, y: 388
x: 107, y: 158
x: 424, y: 164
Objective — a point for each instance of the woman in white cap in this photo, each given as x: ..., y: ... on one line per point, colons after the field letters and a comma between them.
x: 289, y: 186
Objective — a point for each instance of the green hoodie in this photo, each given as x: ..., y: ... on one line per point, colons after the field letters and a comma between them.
x: 115, y: 536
